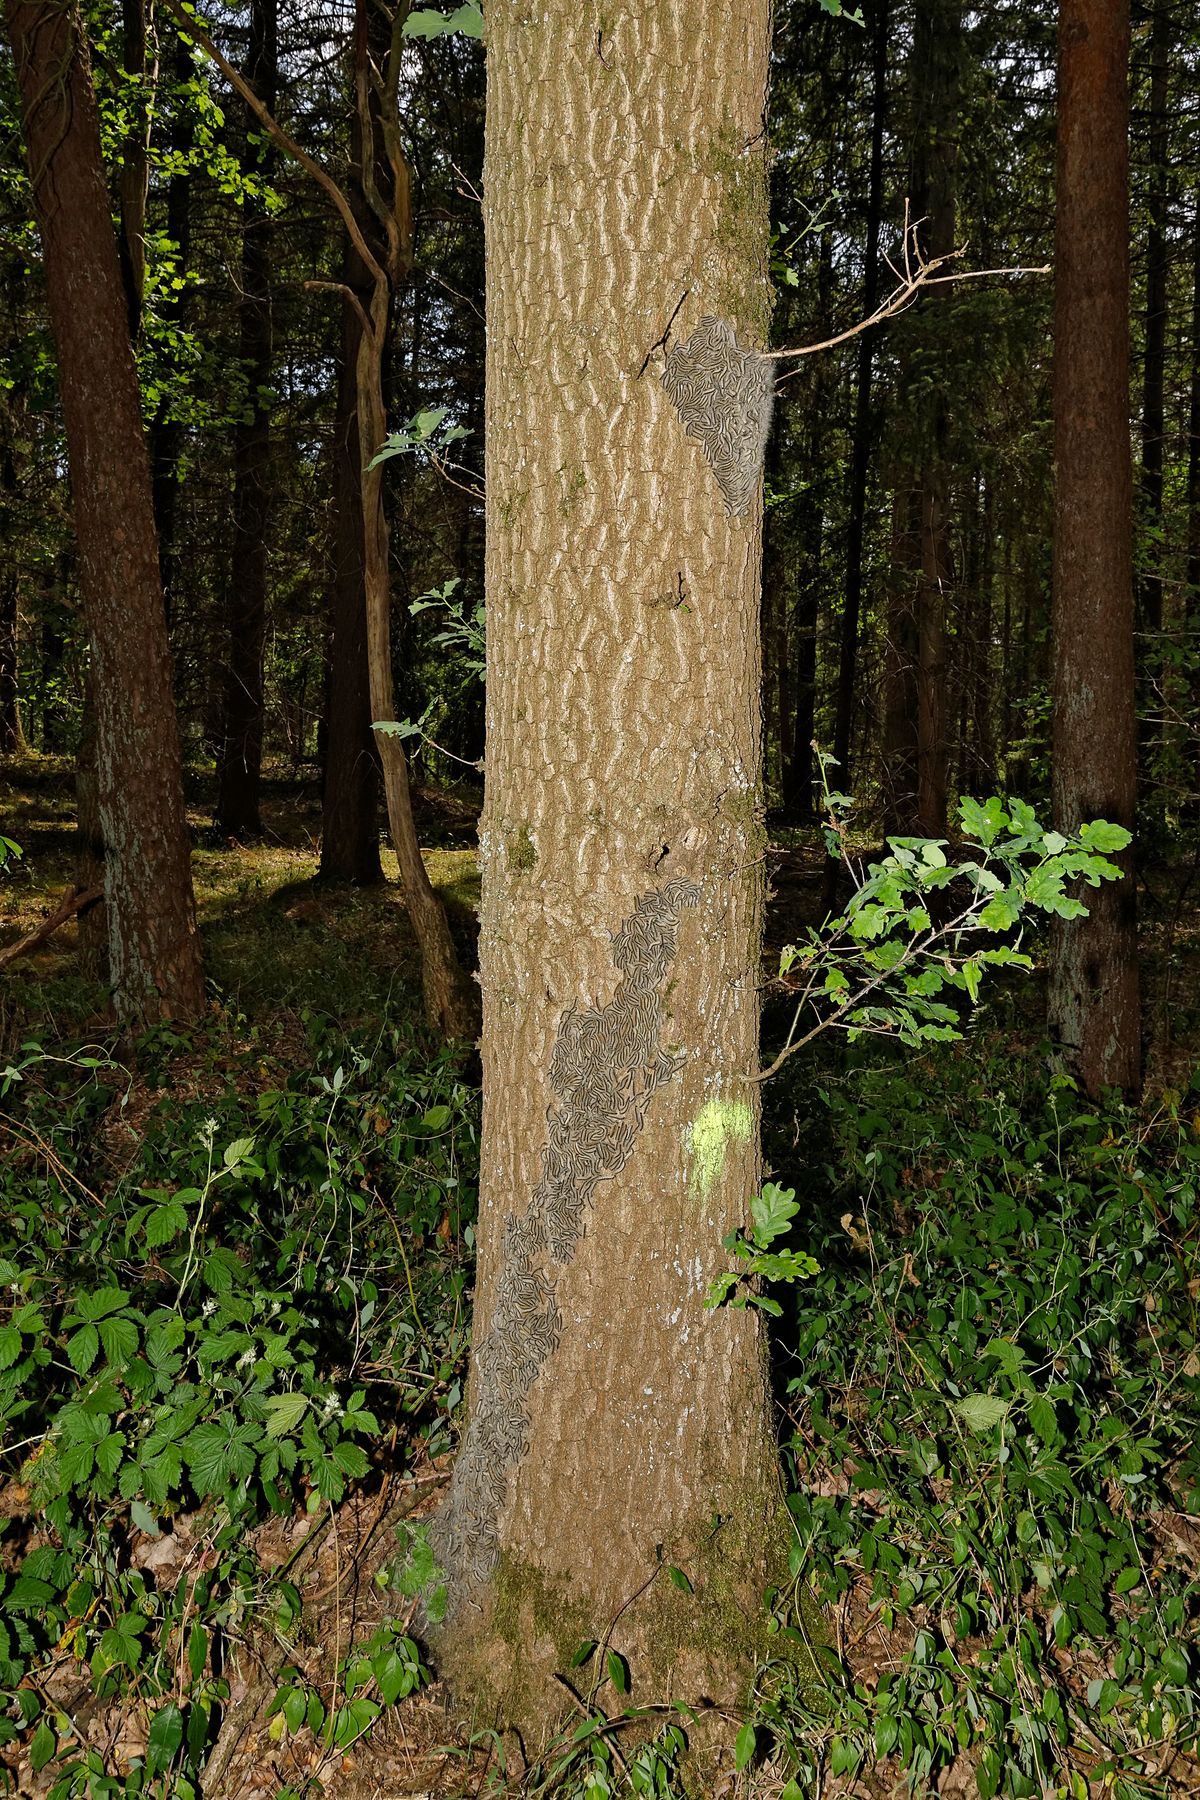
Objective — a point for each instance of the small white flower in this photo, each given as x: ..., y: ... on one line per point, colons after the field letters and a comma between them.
x: 246, y: 1360
x: 209, y: 1308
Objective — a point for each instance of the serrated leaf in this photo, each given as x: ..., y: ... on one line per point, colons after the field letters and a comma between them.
x: 120, y: 1340
x: 982, y: 1412
x: 83, y: 1347
x: 164, y: 1223
x: 238, y: 1151
x: 284, y: 1413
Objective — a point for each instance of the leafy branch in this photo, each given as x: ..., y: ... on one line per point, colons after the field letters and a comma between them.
x: 888, y: 963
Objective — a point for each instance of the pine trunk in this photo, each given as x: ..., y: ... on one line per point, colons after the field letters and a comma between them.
x: 154, y: 950
x: 621, y: 846
x: 1094, y: 1002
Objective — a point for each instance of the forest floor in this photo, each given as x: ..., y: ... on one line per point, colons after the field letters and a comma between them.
x: 911, y: 1552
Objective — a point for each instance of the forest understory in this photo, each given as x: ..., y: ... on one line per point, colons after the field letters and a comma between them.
x: 986, y: 1396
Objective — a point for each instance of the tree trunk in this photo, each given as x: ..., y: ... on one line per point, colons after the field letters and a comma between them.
x: 937, y: 43
x: 240, y: 773
x: 349, y: 823
x: 900, y: 700
x: 860, y: 454
x: 153, y: 944
x: 164, y: 440
x: 449, y: 998
x: 1094, y: 1004
x: 1192, y: 599
x: 133, y: 182
x: 12, y: 733
x: 1154, y: 364
x: 621, y: 850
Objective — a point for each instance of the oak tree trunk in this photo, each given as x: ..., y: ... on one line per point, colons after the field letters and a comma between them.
x: 621, y: 847
x: 154, y: 949
x: 1094, y: 1003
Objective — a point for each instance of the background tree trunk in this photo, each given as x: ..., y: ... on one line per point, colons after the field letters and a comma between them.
x: 860, y: 453
x: 621, y: 850
x: 154, y: 948
x: 349, y: 822
x: 1093, y: 1003
x: 240, y: 772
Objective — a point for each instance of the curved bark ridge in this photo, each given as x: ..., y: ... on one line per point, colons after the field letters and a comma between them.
x: 606, y: 1064
x: 725, y: 396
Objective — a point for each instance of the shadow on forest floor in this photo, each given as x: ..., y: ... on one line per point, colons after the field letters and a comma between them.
x: 972, y: 1231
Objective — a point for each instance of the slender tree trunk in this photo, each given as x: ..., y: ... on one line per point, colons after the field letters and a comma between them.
x: 860, y: 453
x: 133, y: 182
x: 610, y: 1412
x: 165, y: 437
x: 12, y: 733
x: 1192, y: 600
x: 240, y: 772
x: 1154, y: 364
x: 901, y: 649
x: 449, y: 998
x: 1094, y: 1002
x: 349, y: 824
x: 937, y: 50
x: 153, y: 943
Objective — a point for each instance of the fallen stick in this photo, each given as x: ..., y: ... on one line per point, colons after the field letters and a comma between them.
x: 75, y: 900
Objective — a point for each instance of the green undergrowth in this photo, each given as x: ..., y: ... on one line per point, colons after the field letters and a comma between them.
x: 995, y: 1438
x: 229, y: 1293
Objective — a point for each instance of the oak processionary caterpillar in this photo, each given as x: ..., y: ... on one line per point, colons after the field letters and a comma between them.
x: 724, y: 395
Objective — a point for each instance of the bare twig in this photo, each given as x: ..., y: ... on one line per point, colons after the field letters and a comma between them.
x: 917, y: 272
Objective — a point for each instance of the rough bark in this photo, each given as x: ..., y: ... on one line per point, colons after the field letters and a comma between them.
x: 621, y: 854
x: 240, y: 771
x: 153, y: 943
x: 1094, y: 1003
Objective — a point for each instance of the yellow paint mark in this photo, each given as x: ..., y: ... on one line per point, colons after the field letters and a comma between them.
x: 718, y: 1124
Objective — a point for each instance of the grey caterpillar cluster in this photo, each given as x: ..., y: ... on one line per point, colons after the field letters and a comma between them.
x: 724, y: 395
x: 606, y: 1064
